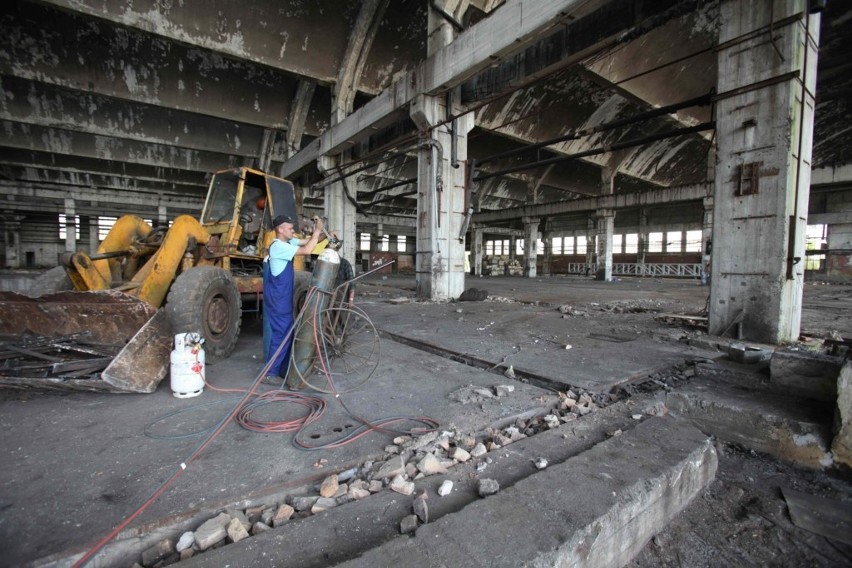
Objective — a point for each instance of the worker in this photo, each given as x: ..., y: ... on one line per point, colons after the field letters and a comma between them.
x: 278, y: 282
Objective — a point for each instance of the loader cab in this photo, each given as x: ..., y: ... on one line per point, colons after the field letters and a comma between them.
x: 240, y: 206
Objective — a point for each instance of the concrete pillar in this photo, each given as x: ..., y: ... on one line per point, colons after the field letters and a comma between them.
x: 339, y: 211
x: 591, y: 254
x: 477, y: 249
x: 642, y: 245
x: 162, y: 216
x: 764, y: 127
x: 70, y: 225
x: 94, y: 237
x: 839, y: 263
x: 530, y: 242
x: 548, y: 248
x: 513, y: 248
x: 707, y: 241
x: 606, y: 228
x: 12, y: 234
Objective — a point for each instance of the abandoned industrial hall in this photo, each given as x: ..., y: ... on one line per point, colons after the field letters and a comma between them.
x: 569, y: 283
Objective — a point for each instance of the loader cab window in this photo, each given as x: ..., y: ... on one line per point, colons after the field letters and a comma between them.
x: 283, y: 198
x: 221, y: 198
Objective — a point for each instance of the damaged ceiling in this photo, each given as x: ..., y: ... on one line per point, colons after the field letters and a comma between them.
x: 146, y: 98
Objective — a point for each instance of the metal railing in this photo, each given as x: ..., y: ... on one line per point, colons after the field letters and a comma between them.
x: 659, y: 270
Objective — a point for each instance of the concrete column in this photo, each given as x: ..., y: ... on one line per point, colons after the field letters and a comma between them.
x: 339, y: 211
x: 94, y: 239
x: 513, y: 248
x: 548, y: 248
x: 591, y: 254
x: 477, y: 249
x: 839, y: 264
x: 642, y: 245
x: 706, y: 241
x: 764, y: 127
x: 12, y: 234
x: 162, y: 216
x: 440, y: 202
x: 530, y: 249
x: 70, y: 225
x: 606, y: 228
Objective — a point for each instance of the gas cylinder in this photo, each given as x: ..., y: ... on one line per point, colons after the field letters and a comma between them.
x: 187, y: 365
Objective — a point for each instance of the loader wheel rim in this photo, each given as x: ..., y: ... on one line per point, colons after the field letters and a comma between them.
x: 218, y: 315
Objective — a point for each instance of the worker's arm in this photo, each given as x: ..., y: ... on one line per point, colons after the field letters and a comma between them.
x: 307, y: 246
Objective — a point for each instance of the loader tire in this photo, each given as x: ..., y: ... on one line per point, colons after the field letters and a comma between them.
x: 205, y: 300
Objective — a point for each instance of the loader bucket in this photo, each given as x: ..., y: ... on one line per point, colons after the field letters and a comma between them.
x: 51, y: 342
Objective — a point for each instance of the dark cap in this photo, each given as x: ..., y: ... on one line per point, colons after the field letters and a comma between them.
x: 281, y: 219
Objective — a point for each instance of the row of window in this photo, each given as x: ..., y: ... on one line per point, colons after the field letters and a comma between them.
x: 672, y: 241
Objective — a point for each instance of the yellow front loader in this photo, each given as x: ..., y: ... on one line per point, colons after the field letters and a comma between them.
x: 193, y: 276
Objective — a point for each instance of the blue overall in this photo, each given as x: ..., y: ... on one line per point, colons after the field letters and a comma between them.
x: 277, y: 316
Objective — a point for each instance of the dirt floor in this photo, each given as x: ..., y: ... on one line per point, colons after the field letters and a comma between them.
x: 53, y: 500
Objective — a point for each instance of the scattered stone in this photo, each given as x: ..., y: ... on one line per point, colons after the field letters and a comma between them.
x: 342, y: 489
x: 329, y: 486
x: 504, y: 390
x: 345, y: 498
x: 259, y: 527
x: 582, y: 410
x: 392, y: 449
x: 430, y: 465
x: 323, y: 504
x: 460, y: 455
x: 375, y: 486
x: 491, y: 446
x: 478, y: 450
x: 510, y: 372
x: 636, y: 417
x: 185, y: 541
x: 240, y: 516
x: 408, y: 524
x: 187, y: 553
x: 614, y: 433
x: 157, y: 552
x: 253, y: 514
x: 212, y: 531
x: 568, y: 404
x: 552, y: 421
x: 421, y: 507
x: 400, y: 485
x: 267, y: 515
x: 390, y: 468
x: 358, y: 493
x: 444, y: 442
x: 410, y: 470
x: 471, y: 395
x: 488, y: 487
x: 303, y: 503
x: 236, y: 530
x: 467, y: 442
x: 400, y: 300
x: 540, y: 463
x: 282, y: 515
x: 446, y: 488
x: 400, y: 440
x: 570, y: 394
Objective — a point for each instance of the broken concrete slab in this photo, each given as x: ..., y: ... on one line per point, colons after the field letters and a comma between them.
x: 795, y: 430
x: 621, y: 493
x: 841, y: 445
x: 803, y: 373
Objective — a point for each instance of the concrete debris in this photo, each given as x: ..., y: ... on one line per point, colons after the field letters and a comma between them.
x: 390, y: 468
x: 614, y: 433
x: 636, y: 417
x: 236, y: 530
x: 471, y: 395
x: 473, y: 295
x: 392, y: 449
x: 510, y: 372
x: 540, y: 463
x: 187, y: 553
x: 408, y: 524
x: 460, y: 455
x: 446, y: 488
x: 569, y: 310
x: 375, y: 486
x: 240, y: 516
x: 401, y: 486
x: 504, y: 390
x: 478, y: 450
x: 358, y: 493
x: 185, y: 541
x: 157, y: 552
x: 253, y: 514
x: 303, y: 503
x: 400, y: 300
x: 488, y: 487
x: 323, y: 504
x: 329, y: 486
x: 410, y: 470
x: 421, y: 507
x: 282, y: 515
x: 400, y: 440
x: 430, y: 465
x: 467, y: 442
x: 267, y: 515
x: 259, y: 528
x: 212, y: 531
x: 552, y: 421
x: 841, y: 445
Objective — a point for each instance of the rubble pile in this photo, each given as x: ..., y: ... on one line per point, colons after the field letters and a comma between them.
x: 406, y: 460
